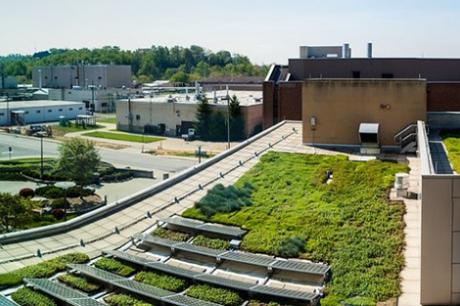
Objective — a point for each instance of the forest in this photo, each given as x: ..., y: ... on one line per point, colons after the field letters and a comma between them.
x: 178, y: 64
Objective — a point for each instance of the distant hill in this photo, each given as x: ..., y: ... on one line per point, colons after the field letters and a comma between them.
x: 177, y: 64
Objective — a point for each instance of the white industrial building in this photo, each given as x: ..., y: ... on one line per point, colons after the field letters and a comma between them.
x: 29, y: 112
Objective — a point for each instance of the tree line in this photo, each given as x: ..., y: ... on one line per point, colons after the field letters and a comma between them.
x: 177, y: 64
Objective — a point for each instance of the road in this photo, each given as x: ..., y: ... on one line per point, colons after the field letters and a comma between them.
x: 30, y: 146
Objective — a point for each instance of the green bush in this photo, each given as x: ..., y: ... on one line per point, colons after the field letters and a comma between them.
x: 60, y: 203
x: 350, y: 223
x: 221, y: 199
x: 42, y: 270
x: 213, y: 294
x: 29, y: 297
x: 50, y: 192
x: 79, y: 282
x: 78, y: 191
x: 212, y: 243
x: 124, y: 300
x: 169, y: 234
x: 291, y: 247
x: 162, y: 281
x: 114, y: 266
x: 259, y: 303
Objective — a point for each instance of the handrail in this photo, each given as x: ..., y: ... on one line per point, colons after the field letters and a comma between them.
x: 411, y: 128
x: 408, y: 139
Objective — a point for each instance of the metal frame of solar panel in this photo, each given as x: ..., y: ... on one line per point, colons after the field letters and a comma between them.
x: 4, y: 301
x: 61, y: 292
x: 183, y: 300
x: 301, y: 267
x: 248, y: 258
x: 285, y: 293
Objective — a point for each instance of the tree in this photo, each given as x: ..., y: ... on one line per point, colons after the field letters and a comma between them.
x: 203, y: 118
x: 14, y: 211
x: 236, y: 120
x: 78, y: 159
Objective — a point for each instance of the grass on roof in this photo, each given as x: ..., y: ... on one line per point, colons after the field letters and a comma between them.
x: 123, y: 137
x: 349, y: 224
x: 451, y: 139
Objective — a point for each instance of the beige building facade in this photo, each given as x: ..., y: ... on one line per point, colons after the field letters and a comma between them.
x: 333, y: 109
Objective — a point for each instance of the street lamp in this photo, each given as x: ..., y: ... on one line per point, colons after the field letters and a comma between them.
x: 41, y: 135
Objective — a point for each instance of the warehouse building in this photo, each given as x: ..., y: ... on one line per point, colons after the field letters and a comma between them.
x: 173, y: 115
x: 69, y: 76
x: 29, y: 112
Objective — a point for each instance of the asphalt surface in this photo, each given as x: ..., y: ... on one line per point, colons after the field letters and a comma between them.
x: 30, y: 146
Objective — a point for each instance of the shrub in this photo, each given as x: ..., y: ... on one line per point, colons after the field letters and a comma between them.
x: 114, y: 266
x: 26, y: 193
x: 58, y: 213
x: 28, y: 297
x: 78, y: 191
x: 292, y: 247
x: 42, y: 270
x: 60, y: 203
x: 162, y: 281
x: 124, y: 300
x: 50, y: 192
x: 213, y: 294
x: 212, y: 243
x: 79, y: 282
x: 221, y: 199
x: 172, y: 235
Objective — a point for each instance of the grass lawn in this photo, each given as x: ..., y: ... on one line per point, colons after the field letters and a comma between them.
x: 123, y: 137
x: 350, y: 223
x: 62, y: 130
x: 112, y: 120
x: 451, y: 140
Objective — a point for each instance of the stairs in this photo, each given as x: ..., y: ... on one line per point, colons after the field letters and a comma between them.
x: 407, y: 139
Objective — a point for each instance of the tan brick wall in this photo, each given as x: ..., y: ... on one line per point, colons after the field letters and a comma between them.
x: 340, y: 105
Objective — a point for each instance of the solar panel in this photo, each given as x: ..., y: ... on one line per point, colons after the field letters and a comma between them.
x: 183, y: 300
x: 285, y: 293
x: 195, y: 225
x: 224, y: 282
x: 248, y: 258
x: 128, y: 257
x: 5, y: 302
x: 157, y: 241
x: 187, y: 247
x: 61, y: 292
x: 184, y: 222
x: 301, y: 267
x: 96, y: 273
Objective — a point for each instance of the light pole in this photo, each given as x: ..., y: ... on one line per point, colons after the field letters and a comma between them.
x: 41, y: 135
x: 228, y: 119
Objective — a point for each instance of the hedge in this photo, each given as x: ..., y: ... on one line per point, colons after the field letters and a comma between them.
x: 124, y: 300
x: 172, y: 235
x: 50, y: 192
x: 28, y: 297
x: 79, y: 282
x: 162, y: 281
x: 222, y: 296
x: 213, y: 243
x: 114, y: 266
x: 44, y: 269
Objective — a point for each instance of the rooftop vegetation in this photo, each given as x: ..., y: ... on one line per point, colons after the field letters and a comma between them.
x: 124, y: 300
x: 349, y: 223
x: 114, y: 266
x: 451, y: 139
x: 170, y: 234
x: 217, y: 295
x: 213, y: 243
x: 28, y: 297
x: 162, y: 281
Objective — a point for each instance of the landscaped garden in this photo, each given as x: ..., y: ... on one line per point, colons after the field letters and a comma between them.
x: 451, y: 139
x: 291, y: 209
x: 123, y: 137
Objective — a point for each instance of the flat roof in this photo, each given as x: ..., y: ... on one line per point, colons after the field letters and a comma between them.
x: 245, y: 97
x: 18, y: 105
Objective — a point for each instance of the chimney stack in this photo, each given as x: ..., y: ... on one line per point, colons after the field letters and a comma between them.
x: 369, y: 50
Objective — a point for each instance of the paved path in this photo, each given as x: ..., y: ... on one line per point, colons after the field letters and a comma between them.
x: 102, y: 234
x: 410, y: 276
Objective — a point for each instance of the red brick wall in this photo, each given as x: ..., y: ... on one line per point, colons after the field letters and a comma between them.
x: 443, y: 97
x: 290, y: 101
x: 252, y: 117
x: 268, y: 96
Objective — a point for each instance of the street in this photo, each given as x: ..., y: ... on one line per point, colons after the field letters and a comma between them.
x: 30, y: 146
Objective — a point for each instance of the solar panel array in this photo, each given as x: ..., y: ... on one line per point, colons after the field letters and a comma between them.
x: 198, y: 226
x: 298, y: 266
x: 5, y: 302
x: 61, y: 292
x: 183, y: 300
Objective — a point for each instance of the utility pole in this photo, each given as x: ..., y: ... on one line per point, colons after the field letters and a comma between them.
x: 228, y: 119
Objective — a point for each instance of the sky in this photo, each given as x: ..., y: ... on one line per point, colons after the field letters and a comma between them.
x: 267, y: 31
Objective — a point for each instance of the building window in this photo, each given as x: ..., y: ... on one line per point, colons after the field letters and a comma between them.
x: 27, y: 112
x: 71, y: 109
x: 138, y: 117
x: 356, y: 74
x: 100, y: 78
x: 60, y: 109
x: 50, y: 110
x: 55, y: 77
x: 2, y: 114
x: 80, y: 108
x: 387, y: 75
x: 39, y: 111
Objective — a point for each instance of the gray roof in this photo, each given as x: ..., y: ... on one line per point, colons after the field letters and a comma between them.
x: 20, y: 105
x: 369, y: 128
x: 199, y: 226
x: 61, y: 292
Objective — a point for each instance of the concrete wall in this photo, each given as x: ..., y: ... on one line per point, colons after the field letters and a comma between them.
x: 440, y: 249
x: 341, y: 105
x: 443, y: 97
